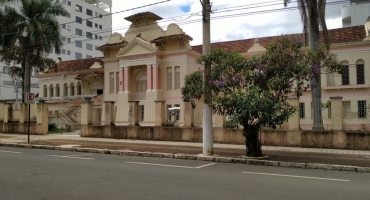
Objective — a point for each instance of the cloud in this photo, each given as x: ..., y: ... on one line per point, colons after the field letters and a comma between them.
x: 231, y: 19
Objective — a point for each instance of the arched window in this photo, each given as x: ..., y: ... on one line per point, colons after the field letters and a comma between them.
x: 360, y: 72
x: 65, y: 90
x: 72, y: 89
x: 79, y: 88
x: 140, y: 84
x: 45, y: 91
x: 51, y: 91
x: 345, y: 73
x: 57, y: 90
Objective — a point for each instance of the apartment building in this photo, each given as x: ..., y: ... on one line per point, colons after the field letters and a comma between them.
x: 355, y: 13
x: 88, y: 26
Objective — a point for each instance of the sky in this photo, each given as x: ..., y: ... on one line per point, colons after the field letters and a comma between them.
x: 231, y: 19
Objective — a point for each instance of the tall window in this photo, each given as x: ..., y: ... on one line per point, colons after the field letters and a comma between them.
x: 169, y: 78
x: 169, y: 117
x: 117, y: 82
x: 177, y: 112
x: 141, y: 81
x: 177, y: 78
x: 89, y: 23
x: 45, y: 91
x: 302, y: 113
x: 361, y: 107
x: 78, y: 8
x: 65, y: 90
x: 89, y: 35
x: 51, y: 91
x: 360, y: 72
x: 89, y: 46
x: 111, y: 82
x: 346, y: 109
x: 79, y: 89
x: 141, y: 113
x: 89, y: 12
x: 57, y: 90
x: 72, y: 89
x: 78, y: 55
x: 345, y: 73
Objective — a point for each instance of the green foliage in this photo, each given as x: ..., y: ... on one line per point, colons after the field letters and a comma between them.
x: 193, y: 89
x: 52, y: 127
x: 231, y: 123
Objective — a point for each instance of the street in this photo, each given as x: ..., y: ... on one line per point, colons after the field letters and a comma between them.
x: 43, y: 174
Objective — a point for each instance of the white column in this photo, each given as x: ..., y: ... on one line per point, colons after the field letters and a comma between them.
x: 121, y: 79
x: 126, y: 78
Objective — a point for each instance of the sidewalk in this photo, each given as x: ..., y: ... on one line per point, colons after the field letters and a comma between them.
x: 283, y: 154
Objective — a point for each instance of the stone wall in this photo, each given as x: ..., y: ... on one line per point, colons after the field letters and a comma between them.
x: 289, y: 138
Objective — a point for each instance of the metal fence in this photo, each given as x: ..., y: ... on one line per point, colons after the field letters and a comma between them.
x: 308, y: 116
x: 356, y: 113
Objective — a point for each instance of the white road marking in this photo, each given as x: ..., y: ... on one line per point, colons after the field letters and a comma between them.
x: 10, y: 151
x: 176, y: 166
x: 74, y: 156
x: 205, y: 165
x: 293, y: 176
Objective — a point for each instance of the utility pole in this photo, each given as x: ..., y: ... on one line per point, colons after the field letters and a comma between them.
x: 207, y: 111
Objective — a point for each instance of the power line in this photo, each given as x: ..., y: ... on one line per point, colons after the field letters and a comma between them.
x: 199, y: 20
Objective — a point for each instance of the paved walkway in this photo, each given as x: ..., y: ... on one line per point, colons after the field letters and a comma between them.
x: 288, y: 154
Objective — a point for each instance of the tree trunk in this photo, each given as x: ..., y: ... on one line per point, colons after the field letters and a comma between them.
x: 315, y: 82
x: 27, y: 76
x: 252, y: 142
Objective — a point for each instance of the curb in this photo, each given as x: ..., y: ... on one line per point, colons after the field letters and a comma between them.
x: 219, y: 159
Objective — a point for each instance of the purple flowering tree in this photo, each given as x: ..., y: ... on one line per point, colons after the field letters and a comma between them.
x: 255, y: 90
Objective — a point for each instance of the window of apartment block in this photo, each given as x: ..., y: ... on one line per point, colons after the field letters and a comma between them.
x: 360, y: 72
x: 177, y: 77
x: 141, y: 113
x: 100, y: 27
x: 100, y: 16
x: 63, y: 51
x: 69, y: 3
x: 63, y: 26
x: 78, y: 55
x: 89, y: 46
x: 117, y: 82
x: 89, y: 12
x: 68, y: 52
x: 96, y: 36
x: 89, y: 35
x: 69, y: 40
x: 78, y: 44
x: 64, y: 1
x: 361, y: 107
x: 177, y: 112
x: 78, y: 32
x: 63, y: 38
x: 302, y: 113
x: 100, y: 38
x: 111, y: 82
x: 88, y: 56
x: 68, y: 27
x: 78, y: 8
x: 169, y: 78
x: 345, y: 73
x: 89, y: 23
x: 96, y: 25
x: 96, y: 14
x: 79, y: 20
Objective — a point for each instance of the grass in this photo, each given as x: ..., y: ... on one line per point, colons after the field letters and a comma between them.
x: 58, y: 131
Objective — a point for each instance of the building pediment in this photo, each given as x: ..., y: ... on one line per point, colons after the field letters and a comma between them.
x: 136, y: 47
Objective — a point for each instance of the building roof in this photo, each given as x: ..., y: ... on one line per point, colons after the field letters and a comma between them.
x: 340, y: 35
x: 147, y: 15
x: 172, y: 37
x: 74, y: 65
x: 113, y: 45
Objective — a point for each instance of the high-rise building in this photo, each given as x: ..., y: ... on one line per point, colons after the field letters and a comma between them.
x: 357, y: 12
x: 89, y: 25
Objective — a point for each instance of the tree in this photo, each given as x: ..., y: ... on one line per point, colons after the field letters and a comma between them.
x: 29, y: 34
x: 255, y: 91
x: 313, y: 16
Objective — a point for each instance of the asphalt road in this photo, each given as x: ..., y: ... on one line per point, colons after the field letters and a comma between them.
x: 42, y: 174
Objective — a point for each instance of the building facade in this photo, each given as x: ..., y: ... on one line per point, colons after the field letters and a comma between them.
x: 88, y: 26
x: 148, y: 65
x: 357, y: 12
